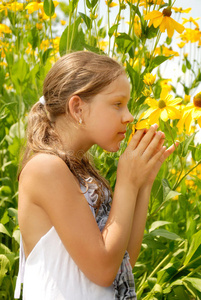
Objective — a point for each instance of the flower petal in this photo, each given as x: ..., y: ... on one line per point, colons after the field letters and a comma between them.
x: 164, y: 115
x: 154, y: 117
x: 151, y: 102
x: 174, y: 101
x: 157, y: 21
x: 173, y: 113
x: 153, y: 14
x: 149, y: 112
x: 178, y: 27
x: 169, y: 26
x: 196, y: 113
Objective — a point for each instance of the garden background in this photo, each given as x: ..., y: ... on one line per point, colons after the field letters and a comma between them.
x: 159, y: 43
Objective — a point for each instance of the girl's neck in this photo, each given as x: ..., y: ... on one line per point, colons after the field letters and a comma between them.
x: 73, y: 137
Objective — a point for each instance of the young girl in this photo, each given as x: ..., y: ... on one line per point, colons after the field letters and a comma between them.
x: 78, y: 243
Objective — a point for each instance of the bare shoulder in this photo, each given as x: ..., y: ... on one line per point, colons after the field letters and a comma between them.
x: 46, y: 172
x: 43, y: 164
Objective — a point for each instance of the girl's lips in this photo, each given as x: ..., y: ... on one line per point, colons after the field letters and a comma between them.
x: 122, y: 133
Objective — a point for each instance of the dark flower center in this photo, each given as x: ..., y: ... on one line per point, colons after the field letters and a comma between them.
x: 197, y: 100
x: 167, y: 12
x: 161, y: 104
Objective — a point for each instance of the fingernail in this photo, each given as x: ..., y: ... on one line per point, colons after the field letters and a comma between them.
x: 155, y: 126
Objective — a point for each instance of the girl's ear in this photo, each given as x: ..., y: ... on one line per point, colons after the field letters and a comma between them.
x: 75, y: 106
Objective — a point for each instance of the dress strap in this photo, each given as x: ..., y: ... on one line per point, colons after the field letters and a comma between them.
x: 20, y: 276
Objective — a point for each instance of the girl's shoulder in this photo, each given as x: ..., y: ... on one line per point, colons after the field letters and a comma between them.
x: 45, y: 168
x: 43, y: 163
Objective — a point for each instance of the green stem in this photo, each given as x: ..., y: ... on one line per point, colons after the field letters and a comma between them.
x: 71, y: 41
x: 117, y: 22
x: 52, y: 39
x: 180, y: 158
x: 155, y: 271
x: 108, y: 20
x: 68, y: 36
x: 178, y: 183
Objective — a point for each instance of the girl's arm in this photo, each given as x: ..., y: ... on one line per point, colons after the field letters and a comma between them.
x: 46, y: 182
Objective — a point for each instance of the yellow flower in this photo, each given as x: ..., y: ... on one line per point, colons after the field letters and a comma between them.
x: 165, y: 84
x: 63, y: 22
x: 103, y: 45
x: 16, y: 6
x: 139, y: 125
x: 191, y: 20
x: 191, y: 113
x: 165, y: 108
x: 187, y: 99
x: 191, y: 35
x: 147, y: 92
x: 39, y: 26
x: 181, y: 45
x: 147, y: 3
x: 181, y: 10
x: 112, y: 4
x: 164, y: 20
x: 4, y: 29
x: 166, y: 51
x: 149, y: 79
x: 32, y: 7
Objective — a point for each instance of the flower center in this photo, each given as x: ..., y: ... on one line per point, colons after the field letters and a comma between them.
x: 161, y: 104
x: 167, y: 12
x: 197, y: 101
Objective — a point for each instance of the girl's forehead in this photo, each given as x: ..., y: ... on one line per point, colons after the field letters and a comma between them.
x: 119, y: 87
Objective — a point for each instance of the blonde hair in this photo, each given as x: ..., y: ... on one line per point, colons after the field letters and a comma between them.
x: 80, y: 73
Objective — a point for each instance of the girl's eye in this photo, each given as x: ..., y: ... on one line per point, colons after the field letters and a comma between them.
x: 118, y: 104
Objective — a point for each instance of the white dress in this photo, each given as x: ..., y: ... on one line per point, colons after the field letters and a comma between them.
x: 49, y: 272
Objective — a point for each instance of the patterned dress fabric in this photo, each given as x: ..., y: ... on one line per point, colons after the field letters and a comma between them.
x: 124, y: 282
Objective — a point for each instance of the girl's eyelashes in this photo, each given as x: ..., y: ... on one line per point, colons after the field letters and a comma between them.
x: 118, y: 104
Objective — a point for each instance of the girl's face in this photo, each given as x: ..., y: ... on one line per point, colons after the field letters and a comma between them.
x: 107, y: 115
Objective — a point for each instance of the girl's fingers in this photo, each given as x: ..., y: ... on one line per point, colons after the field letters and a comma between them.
x: 159, y: 156
x: 146, y: 140
x: 153, y: 147
x: 136, y: 139
x: 170, y: 150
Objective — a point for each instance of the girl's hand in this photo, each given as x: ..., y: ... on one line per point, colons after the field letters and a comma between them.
x: 143, y: 157
x: 159, y: 162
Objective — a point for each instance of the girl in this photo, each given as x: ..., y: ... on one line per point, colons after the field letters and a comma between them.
x: 77, y: 243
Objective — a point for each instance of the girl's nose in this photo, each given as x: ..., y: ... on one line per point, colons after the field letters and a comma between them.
x: 127, y: 118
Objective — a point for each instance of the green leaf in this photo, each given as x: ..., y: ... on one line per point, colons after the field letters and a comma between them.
x: 180, y: 292
x: 150, y: 32
x: 195, y: 243
x: 183, y: 68
x: 86, y: 19
x: 112, y: 29
x: 4, y: 230
x: 88, y: 3
x: 4, y: 262
x: 19, y: 71
x: 49, y: 8
x: 184, y: 146
x: 46, y: 55
x: 156, y: 61
x: 75, y: 36
x: 157, y: 224
x: 33, y: 38
x: 166, y: 234
x: 196, y: 282
x: 93, y: 49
